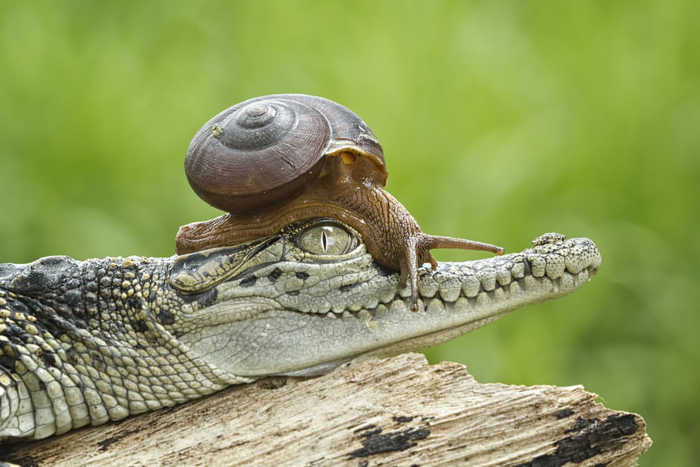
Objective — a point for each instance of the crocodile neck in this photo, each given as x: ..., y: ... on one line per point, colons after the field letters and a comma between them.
x: 89, y: 343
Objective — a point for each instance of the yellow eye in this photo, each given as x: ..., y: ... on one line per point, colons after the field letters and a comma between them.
x: 327, y: 239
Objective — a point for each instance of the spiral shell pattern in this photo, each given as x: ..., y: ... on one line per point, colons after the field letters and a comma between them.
x: 263, y: 151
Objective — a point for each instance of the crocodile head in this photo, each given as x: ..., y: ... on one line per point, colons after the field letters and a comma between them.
x: 310, y: 298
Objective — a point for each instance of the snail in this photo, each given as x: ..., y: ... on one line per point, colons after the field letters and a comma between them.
x: 274, y: 160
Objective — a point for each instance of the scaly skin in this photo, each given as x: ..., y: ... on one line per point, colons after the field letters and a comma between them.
x: 86, y: 342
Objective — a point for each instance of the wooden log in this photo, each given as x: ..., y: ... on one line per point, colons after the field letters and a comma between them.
x: 395, y: 411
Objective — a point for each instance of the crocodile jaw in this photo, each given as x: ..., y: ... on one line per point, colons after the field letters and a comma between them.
x: 267, y: 337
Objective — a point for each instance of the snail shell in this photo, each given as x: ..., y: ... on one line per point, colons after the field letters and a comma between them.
x: 263, y: 151
x: 274, y: 160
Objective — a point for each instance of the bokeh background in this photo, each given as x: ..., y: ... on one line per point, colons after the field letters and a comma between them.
x: 499, y: 120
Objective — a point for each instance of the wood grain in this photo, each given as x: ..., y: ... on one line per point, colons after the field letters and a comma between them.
x: 395, y: 411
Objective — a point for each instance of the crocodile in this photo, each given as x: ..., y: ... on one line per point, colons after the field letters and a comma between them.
x: 88, y: 342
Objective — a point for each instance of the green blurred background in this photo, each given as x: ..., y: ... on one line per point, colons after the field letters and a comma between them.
x: 499, y: 120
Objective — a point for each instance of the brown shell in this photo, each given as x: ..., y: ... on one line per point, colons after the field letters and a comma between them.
x: 263, y: 151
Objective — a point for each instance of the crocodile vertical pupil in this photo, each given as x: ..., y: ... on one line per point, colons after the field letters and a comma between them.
x: 326, y: 240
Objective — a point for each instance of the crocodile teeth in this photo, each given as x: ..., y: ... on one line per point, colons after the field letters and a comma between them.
x: 567, y: 280
x: 518, y: 270
x: 372, y: 302
x: 435, y: 306
x: 499, y: 295
x: 530, y: 282
x: 487, y: 277
x: 427, y: 286
x: 470, y: 286
x: 555, y: 266
x: 387, y: 296
x: 503, y: 276
x: 515, y: 289
x: 582, y: 276
x: 450, y: 288
x: 483, y: 299
x: 538, y: 265
x: 398, y: 306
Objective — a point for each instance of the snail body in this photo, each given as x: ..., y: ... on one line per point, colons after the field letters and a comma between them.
x: 274, y: 160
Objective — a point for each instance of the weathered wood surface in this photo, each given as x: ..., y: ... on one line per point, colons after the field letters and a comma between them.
x: 397, y: 411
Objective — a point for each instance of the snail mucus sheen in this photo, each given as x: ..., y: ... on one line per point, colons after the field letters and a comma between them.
x: 274, y: 160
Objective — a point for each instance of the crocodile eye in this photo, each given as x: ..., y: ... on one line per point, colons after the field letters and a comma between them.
x: 327, y: 239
